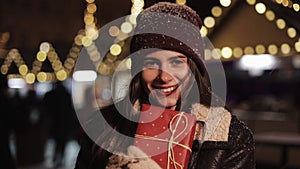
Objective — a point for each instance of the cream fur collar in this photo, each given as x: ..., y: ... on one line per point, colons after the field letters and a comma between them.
x: 216, y: 123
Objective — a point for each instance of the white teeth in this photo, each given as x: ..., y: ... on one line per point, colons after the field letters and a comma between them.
x: 168, y: 89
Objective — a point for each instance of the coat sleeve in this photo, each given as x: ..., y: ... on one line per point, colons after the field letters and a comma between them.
x: 85, y: 154
x: 241, y: 156
x: 237, y: 153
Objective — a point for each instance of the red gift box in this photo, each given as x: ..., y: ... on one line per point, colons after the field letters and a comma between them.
x: 166, y: 136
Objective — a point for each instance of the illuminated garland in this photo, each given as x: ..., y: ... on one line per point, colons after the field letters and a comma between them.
x: 61, y: 72
x: 289, y: 4
x: 227, y: 53
x: 120, y: 34
x: 85, y: 38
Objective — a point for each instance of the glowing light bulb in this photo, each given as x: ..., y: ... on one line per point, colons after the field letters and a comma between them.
x: 249, y: 50
x: 260, y: 49
x: 42, y: 77
x: 23, y: 69
x: 86, y: 41
x: 296, y: 7
x: 128, y: 63
x: 115, y: 49
x: 237, y: 52
x: 113, y: 31
x: 251, y: 2
x: 30, y: 78
x: 280, y: 23
x: 209, y: 22
x: 89, y: 1
x: 270, y: 15
x: 41, y: 56
x: 182, y: 2
x: 291, y: 32
x: 91, y: 8
x: 45, y: 47
x: 226, y: 52
x: 272, y: 49
x: 61, y: 75
x: 260, y: 8
x: 203, y: 31
x: 216, y: 11
x: 126, y: 27
x: 285, y: 48
x: 225, y: 3
x: 132, y: 18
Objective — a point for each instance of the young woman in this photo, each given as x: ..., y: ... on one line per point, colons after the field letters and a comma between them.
x: 168, y: 71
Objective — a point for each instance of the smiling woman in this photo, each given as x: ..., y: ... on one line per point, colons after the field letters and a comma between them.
x: 170, y: 117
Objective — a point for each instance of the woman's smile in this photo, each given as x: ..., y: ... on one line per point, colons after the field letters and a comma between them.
x: 166, y: 90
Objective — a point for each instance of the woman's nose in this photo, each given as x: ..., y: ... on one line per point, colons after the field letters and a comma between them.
x: 165, y: 76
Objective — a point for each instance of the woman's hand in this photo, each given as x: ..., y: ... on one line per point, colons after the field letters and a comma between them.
x: 136, y: 159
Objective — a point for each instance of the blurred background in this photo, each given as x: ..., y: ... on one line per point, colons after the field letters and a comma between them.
x: 257, y: 41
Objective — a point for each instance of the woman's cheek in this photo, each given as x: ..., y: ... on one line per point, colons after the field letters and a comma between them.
x: 182, y: 74
x: 149, y: 75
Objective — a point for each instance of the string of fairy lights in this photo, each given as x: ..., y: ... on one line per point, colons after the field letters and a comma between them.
x: 289, y: 4
x: 61, y: 70
x: 227, y: 52
x: 85, y: 38
x: 120, y: 33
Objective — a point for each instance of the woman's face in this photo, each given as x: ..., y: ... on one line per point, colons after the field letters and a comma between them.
x: 165, y: 74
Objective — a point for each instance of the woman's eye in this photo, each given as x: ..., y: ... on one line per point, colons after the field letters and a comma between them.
x: 177, y: 62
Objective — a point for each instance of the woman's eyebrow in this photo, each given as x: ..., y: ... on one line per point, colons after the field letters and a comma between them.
x: 150, y: 58
x: 177, y: 56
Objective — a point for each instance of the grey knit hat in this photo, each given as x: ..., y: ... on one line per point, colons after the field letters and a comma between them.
x: 169, y: 26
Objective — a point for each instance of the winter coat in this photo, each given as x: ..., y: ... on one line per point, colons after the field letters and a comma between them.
x: 223, y: 142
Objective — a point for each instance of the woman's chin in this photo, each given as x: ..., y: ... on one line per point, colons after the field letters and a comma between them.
x: 169, y: 101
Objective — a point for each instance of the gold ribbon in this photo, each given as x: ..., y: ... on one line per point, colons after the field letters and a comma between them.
x: 172, y: 141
